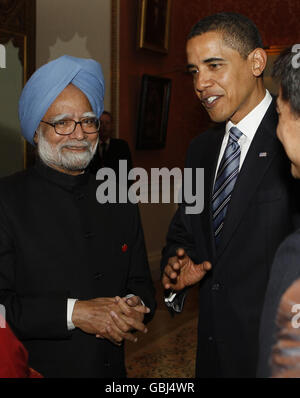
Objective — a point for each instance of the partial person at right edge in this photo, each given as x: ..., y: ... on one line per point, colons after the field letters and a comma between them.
x: 286, y: 266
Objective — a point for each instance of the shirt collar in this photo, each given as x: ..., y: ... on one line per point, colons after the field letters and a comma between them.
x: 249, y: 124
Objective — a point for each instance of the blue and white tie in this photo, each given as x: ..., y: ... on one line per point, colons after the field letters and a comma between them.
x: 227, y: 174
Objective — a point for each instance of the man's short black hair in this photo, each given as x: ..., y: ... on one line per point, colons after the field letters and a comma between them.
x: 239, y: 32
x: 288, y: 75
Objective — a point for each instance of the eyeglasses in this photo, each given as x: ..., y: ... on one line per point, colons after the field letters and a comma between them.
x: 66, y: 126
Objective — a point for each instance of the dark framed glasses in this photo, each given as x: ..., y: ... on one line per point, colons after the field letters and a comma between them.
x: 68, y: 126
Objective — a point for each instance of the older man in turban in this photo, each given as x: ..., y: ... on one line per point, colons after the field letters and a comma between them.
x: 74, y: 285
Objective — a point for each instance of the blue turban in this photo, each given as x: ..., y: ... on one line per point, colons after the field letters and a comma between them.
x: 50, y: 80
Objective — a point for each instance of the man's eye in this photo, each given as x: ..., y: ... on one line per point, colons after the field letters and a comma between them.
x: 89, y: 122
x: 214, y: 66
x: 192, y: 71
x: 61, y: 123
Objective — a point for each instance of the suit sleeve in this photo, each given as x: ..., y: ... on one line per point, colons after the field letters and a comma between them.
x: 179, y: 235
x: 29, y: 317
x: 139, y: 279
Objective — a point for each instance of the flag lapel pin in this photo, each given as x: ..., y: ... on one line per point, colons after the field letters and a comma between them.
x: 263, y: 154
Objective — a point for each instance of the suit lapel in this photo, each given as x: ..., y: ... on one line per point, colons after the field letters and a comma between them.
x: 251, y: 174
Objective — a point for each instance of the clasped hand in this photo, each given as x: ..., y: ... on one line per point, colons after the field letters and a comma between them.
x: 112, y: 318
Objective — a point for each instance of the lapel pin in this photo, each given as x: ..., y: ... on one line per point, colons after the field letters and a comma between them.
x: 263, y: 154
x: 124, y: 248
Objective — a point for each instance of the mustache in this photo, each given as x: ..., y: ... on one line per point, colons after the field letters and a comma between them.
x: 75, y: 144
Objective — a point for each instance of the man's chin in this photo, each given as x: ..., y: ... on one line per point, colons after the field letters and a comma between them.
x: 217, y: 115
x: 295, y: 171
x: 78, y: 163
x: 217, y: 118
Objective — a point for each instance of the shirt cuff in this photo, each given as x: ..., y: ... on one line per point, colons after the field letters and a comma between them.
x: 70, y: 308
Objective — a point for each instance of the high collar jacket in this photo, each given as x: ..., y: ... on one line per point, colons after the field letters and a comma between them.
x: 57, y: 242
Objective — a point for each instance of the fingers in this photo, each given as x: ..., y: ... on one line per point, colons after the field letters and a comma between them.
x: 205, y: 266
x: 189, y: 274
x: 173, y: 267
x: 170, y: 272
x: 113, y: 336
x: 127, y: 308
x: 126, y: 324
x: 133, y: 301
x: 181, y: 254
x: 166, y: 282
x: 116, y: 337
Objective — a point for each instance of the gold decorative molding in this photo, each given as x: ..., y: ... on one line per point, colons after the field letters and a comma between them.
x: 18, y: 23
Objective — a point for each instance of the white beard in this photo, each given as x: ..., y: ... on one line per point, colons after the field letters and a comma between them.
x: 66, y: 159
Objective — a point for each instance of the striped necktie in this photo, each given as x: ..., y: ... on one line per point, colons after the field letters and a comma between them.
x: 226, y: 177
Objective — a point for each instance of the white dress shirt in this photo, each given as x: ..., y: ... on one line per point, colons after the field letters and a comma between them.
x: 248, y: 126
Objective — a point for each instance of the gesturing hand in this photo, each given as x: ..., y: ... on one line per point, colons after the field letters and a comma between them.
x: 181, y: 271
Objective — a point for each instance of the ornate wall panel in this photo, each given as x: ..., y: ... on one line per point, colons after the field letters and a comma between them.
x: 17, y: 34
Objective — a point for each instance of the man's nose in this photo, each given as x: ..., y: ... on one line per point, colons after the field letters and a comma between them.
x: 202, y: 81
x: 78, y: 133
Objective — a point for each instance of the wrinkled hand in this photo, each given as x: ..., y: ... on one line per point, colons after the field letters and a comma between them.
x: 181, y: 271
x: 131, y: 315
x: 93, y: 316
x: 111, y: 318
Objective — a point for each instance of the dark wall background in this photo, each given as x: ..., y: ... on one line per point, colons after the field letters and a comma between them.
x: 278, y: 22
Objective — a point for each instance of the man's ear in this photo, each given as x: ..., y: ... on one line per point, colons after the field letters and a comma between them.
x: 258, y: 58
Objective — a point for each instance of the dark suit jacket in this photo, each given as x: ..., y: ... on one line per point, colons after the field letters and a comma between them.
x: 57, y: 242
x: 258, y: 218
x: 118, y: 150
x: 285, y: 270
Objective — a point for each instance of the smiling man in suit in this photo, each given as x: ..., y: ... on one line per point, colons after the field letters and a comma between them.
x: 228, y: 249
